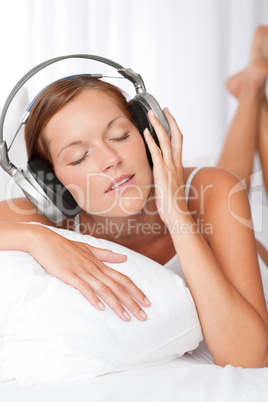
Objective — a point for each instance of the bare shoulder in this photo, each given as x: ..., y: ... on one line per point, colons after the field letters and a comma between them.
x: 214, y: 175
x: 219, y: 197
x: 208, y: 174
x: 21, y: 210
x: 216, y: 183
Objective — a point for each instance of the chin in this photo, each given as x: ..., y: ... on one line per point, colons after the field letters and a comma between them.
x: 123, y: 211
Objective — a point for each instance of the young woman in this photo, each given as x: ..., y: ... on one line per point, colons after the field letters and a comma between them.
x: 83, y: 129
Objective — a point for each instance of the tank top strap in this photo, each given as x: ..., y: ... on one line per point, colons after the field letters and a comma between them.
x: 189, y: 182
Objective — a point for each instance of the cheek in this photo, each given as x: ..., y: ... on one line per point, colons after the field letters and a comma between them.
x: 86, y: 188
x: 143, y: 162
x: 137, y: 151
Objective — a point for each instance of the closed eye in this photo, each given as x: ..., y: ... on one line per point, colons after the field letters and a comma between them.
x: 124, y: 137
x: 79, y: 160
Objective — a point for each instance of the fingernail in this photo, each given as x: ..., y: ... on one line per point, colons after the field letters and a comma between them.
x: 152, y: 113
x: 147, y: 132
x: 101, y: 305
x: 147, y: 301
x: 125, y: 313
x: 167, y: 109
x: 143, y: 314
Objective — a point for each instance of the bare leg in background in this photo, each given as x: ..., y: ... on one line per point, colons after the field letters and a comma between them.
x: 248, y: 132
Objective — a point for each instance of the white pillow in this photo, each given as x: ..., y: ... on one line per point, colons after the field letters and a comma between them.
x: 50, y: 332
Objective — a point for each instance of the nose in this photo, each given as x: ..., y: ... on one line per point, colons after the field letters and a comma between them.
x: 107, y: 158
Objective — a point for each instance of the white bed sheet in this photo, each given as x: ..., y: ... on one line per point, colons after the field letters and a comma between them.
x: 190, y: 378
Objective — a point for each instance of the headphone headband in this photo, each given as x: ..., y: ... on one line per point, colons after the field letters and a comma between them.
x: 125, y: 72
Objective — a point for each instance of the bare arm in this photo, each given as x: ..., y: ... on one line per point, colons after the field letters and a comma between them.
x: 226, y: 282
x: 220, y: 267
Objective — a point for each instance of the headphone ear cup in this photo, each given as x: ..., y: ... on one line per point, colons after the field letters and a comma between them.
x: 140, y: 116
x: 58, y: 194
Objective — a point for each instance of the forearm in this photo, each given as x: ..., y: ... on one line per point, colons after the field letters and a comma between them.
x: 235, y: 333
x: 15, y: 236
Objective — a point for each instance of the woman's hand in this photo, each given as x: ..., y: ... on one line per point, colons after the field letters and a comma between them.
x: 167, y: 168
x: 80, y: 265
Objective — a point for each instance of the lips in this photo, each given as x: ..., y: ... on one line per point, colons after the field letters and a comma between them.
x: 119, y: 182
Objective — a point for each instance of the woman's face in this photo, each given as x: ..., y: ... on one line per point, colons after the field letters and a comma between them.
x: 99, y: 155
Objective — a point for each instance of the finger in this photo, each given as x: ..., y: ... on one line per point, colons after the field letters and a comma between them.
x: 163, y: 138
x: 110, y: 286
x: 129, y: 285
x: 107, y: 255
x: 85, y: 289
x: 176, y: 137
x: 104, y: 273
x: 125, y: 299
x: 155, y: 151
x: 89, y: 292
x: 112, y: 292
x: 115, y: 296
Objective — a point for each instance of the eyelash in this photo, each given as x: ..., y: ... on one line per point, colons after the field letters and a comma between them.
x: 124, y: 137
x: 79, y: 160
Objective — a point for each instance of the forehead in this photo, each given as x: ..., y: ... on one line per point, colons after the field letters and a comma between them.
x: 93, y: 98
x: 88, y: 111
x: 90, y: 102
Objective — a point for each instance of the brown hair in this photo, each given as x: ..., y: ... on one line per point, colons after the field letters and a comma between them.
x: 53, y: 98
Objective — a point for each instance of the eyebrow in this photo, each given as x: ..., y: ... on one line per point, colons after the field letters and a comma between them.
x: 70, y: 145
x: 81, y: 142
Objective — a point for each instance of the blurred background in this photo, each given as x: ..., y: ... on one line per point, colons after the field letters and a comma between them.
x: 184, y: 49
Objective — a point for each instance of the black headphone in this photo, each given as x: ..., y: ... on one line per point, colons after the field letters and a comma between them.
x: 37, y: 181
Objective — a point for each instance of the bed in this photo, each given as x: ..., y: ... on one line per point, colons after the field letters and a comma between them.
x: 190, y: 377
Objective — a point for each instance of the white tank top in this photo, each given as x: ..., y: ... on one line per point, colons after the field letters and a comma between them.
x: 173, y: 264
